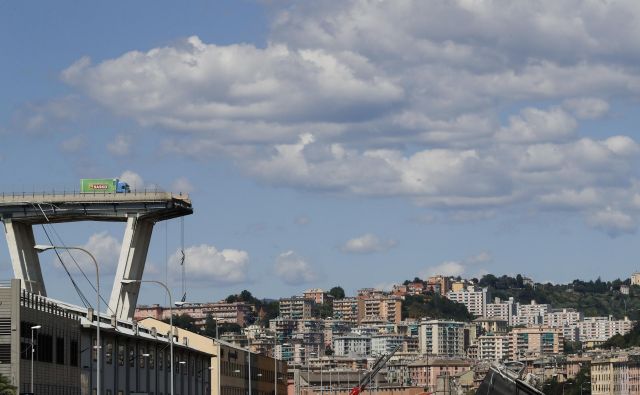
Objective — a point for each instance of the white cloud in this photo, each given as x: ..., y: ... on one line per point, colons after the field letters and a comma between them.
x: 293, y: 269
x: 134, y: 180
x: 106, y: 249
x: 206, y: 265
x: 367, y: 244
x: 463, y: 107
x: 302, y: 220
x: 458, y: 268
x: 182, y: 185
x: 613, y: 222
x: 587, y: 107
x: 74, y: 144
x: 120, y: 146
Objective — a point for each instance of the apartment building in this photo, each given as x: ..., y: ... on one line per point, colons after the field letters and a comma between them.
x: 602, y: 328
x: 562, y: 317
x: 438, y: 284
x: 296, y: 307
x: 352, y: 345
x: 615, y: 374
x: 474, y: 298
x: 531, y: 314
x: 504, y: 310
x: 239, y: 313
x: 380, y: 308
x: 425, y: 373
x: 346, y: 309
x: 319, y: 296
x: 442, y: 338
x: 384, y: 344
x: 535, y: 341
x: 493, y: 347
x: 492, y: 325
x: 635, y: 278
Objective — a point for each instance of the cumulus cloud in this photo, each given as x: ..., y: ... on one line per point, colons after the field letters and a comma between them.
x: 367, y: 244
x: 106, y: 249
x: 182, y: 184
x: 458, y: 268
x: 120, y: 146
x: 293, y: 269
x: 74, y: 144
x: 463, y: 107
x: 613, y: 222
x: 132, y: 178
x: 206, y: 265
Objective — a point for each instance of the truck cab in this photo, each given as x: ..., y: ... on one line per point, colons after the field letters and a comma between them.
x: 122, y: 187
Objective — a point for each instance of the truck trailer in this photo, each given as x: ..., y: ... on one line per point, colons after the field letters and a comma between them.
x: 103, y: 185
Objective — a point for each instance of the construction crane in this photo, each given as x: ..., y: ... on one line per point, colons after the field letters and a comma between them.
x: 366, y: 380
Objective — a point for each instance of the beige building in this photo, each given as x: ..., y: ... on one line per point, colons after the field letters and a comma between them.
x: 535, y: 341
x: 492, y: 325
x: 296, y: 307
x: 229, y: 313
x: 635, y: 278
x: 229, y: 366
x: 380, y: 308
x: 425, y: 372
x: 615, y: 374
x: 346, y: 309
x: 318, y: 295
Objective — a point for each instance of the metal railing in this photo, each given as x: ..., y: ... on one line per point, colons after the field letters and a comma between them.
x: 75, y: 195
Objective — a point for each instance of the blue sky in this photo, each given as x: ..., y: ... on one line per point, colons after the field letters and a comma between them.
x: 354, y: 143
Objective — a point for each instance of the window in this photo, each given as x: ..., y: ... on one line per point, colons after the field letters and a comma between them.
x: 108, y: 354
x: 152, y: 358
x: 44, y: 348
x: 5, y: 353
x: 160, y: 359
x: 121, y: 354
x: 74, y: 353
x: 60, y: 350
x: 132, y: 357
x: 141, y: 353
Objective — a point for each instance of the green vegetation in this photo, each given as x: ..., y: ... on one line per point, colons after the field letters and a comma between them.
x: 631, y: 339
x: 5, y: 386
x: 337, y: 292
x: 593, y: 298
x: 569, y: 387
x: 433, y: 306
x: 267, y: 309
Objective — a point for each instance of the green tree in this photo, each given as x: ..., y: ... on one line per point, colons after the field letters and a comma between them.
x: 184, y: 321
x: 5, y: 386
x: 337, y: 292
x: 210, y: 325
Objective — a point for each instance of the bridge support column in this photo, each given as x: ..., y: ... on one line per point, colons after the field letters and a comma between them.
x: 133, y: 255
x: 24, y: 258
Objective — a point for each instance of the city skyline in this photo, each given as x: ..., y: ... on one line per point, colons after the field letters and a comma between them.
x: 367, y: 141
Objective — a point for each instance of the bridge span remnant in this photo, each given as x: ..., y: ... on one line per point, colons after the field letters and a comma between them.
x: 140, y: 211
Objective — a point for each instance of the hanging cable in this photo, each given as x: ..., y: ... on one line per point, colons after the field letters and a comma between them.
x: 79, y: 267
x: 83, y: 299
x: 182, y: 259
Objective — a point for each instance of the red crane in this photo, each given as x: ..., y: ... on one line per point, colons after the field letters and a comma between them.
x: 379, y: 364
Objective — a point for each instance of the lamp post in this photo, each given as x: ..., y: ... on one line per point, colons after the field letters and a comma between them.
x: 41, y: 248
x: 163, y: 285
x: 33, y: 329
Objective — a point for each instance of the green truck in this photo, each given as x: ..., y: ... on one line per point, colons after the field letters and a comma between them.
x: 103, y: 185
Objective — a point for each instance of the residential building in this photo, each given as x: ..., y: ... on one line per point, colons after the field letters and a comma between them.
x: 602, y: 328
x: 531, y: 314
x: 296, y: 307
x: 442, y: 338
x: 384, y: 344
x: 635, y: 278
x: 474, y: 298
x: 504, y: 310
x: 346, y: 309
x: 535, y: 342
x: 562, y: 318
x: 492, y: 325
x: 438, y: 284
x: 380, y: 308
x: 425, y: 373
x: 615, y: 374
x: 239, y: 313
x: 352, y: 345
x: 318, y: 295
x: 493, y: 347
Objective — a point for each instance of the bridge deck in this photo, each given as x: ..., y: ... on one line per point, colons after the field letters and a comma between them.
x: 37, y: 208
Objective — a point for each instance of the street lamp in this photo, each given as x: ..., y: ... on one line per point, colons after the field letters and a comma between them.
x: 41, y: 248
x: 163, y: 285
x: 33, y: 329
